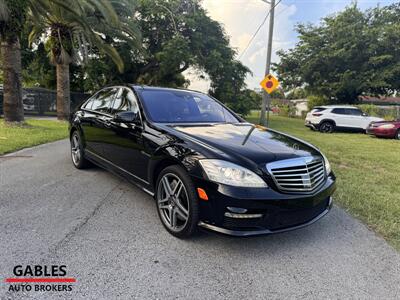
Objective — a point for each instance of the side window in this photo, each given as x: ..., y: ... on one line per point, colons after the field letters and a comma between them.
x: 103, y: 100
x: 124, y: 101
x: 354, y: 112
x: 339, y: 111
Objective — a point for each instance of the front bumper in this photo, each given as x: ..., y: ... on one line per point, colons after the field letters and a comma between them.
x: 265, y: 231
x: 277, y: 212
x: 382, y: 132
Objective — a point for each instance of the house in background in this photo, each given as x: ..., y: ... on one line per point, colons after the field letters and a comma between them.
x: 301, y: 106
x: 380, y: 101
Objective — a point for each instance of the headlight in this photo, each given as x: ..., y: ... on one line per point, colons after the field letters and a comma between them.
x: 327, y: 165
x: 387, y: 126
x: 230, y: 174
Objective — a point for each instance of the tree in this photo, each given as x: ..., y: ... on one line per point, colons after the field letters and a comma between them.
x: 297, y: 93
x: 69, y: 33
x: 347, y: 55
x: 278, y: 94
x: 12, y: 17
x: 177, y: 35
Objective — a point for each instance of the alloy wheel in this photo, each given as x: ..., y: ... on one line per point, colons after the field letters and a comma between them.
x: 75, y: 149
x: 326, y: 127
x: 173, y: 202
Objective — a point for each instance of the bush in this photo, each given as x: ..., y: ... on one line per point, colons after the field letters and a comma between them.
x: 385, y: 112
x: 286, y: 110
x: 314, y: 101
x: 370, y: 109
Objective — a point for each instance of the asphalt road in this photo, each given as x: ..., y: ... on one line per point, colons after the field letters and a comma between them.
x: 108, y: 234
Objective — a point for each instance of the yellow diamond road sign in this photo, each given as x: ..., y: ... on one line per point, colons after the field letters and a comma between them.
x: 269, y: 83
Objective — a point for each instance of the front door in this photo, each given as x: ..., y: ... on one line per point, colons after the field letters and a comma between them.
x: 124, y: 146
x: 358, y: 120
x: 94, y: 125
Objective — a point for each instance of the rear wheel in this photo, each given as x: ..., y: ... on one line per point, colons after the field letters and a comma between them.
x: 397, y: 136
x: 177, y: 202
x: 77, y: 152
x: 326, y: 127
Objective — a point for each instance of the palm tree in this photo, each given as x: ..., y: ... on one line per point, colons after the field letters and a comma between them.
x: 69, y: 33
x: 12, y: 16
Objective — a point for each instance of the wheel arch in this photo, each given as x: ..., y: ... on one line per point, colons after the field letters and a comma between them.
x: 328, y: 120
x: 155, y: 168
x: 77, y: 128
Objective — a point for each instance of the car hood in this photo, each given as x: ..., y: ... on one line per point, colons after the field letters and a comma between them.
x: 386, y: 122
x: 245, y: 141
x: 375, y: 119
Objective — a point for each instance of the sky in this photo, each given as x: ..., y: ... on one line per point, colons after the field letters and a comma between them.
x: 241, y: 18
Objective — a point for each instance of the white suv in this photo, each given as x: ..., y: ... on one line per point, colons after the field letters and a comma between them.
x: 331, y: 117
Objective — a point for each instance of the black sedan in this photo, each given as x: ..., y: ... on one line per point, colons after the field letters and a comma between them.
x: 204, y: 165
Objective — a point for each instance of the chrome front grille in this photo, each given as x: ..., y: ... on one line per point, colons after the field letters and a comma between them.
x: 303, y: 174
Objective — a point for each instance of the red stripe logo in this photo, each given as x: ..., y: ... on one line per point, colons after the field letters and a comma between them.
x: 12, y: 280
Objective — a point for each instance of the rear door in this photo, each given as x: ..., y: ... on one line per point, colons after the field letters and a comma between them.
x: 96, y: 120
x: 124, y: 145
x: 341, y: 117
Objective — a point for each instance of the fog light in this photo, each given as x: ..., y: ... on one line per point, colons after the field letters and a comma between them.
x: 242, y: 216
x: 237, y: 210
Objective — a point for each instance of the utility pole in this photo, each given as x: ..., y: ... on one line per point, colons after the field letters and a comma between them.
x: 266, y: 101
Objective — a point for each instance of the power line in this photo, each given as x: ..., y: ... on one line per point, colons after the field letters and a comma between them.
x: 258, y: 29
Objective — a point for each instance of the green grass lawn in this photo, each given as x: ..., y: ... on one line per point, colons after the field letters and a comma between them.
x: 367, y: 170
x: 34, y: 132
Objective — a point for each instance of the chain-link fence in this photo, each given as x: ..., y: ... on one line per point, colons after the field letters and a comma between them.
x: 40, y: 101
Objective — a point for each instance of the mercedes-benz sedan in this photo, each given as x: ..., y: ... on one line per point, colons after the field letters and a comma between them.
x: 204, y: 165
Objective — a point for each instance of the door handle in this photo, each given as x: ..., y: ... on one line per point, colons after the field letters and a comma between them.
x: 107, y: 123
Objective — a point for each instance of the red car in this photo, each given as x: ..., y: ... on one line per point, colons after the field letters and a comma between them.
x: 388, y: 129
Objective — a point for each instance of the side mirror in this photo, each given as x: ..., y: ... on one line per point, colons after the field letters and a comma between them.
x: 127, y: 117
x: 364, y: 114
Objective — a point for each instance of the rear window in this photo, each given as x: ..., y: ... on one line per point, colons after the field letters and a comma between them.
x: 318, y: 109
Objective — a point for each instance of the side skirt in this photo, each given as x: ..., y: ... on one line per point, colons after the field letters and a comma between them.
x: 109, y: 166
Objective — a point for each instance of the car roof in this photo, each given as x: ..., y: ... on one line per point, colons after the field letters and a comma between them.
x: 337, y: 106
x: 147, y: 87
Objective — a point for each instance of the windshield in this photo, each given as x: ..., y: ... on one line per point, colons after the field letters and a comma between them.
x: 170, y: 106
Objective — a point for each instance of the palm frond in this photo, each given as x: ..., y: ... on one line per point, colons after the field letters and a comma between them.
x: 105, y: 8
x: 35, y: 33
x: 110, y: 51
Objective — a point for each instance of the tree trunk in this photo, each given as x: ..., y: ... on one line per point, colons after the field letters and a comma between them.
x: 63, y: 92
x: 12, y: 88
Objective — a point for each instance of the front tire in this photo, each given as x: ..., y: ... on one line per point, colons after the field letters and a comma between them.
x: 397, y: 136
x: 177, y: 202
x: 326, y: 127
x: 77, y: 152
